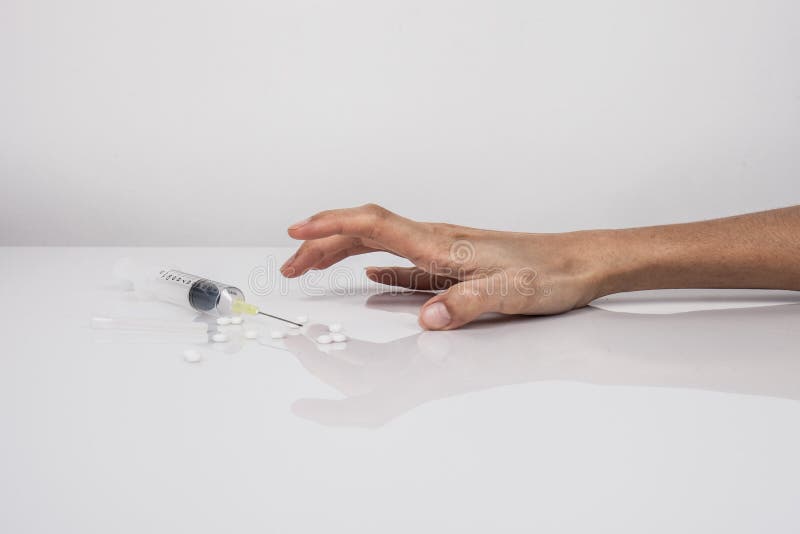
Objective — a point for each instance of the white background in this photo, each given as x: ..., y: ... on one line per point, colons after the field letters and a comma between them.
x: 201, y: 122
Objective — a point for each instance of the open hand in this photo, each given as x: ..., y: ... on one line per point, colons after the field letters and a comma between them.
x: 478, y: 271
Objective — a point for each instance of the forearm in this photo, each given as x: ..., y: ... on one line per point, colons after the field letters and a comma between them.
x: 758, y: 250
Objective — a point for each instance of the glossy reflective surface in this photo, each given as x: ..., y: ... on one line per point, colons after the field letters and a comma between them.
x: 657, y: 412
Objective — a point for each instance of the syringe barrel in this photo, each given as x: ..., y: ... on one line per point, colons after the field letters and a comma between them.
x: 197, y: 292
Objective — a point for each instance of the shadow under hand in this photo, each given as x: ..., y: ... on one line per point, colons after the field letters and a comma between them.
x: 747, y: 351
x: 400, y: 301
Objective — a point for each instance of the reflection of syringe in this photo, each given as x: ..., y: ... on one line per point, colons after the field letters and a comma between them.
x: 200, y: 294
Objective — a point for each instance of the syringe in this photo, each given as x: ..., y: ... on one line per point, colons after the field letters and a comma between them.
x: 199, y: 293
x: 207, y: 296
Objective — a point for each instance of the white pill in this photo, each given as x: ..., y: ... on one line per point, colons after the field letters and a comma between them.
x: 338, y: 337
x: 192, y: 356
x: 223, y: 320
x: 335, y: 327
x: 292, y: 325
x: 277, y: 334
x: 251, y: 334
x: 324, y: 339
x: 302, y: 319
x: 236, y: 320
x: 219, y: 337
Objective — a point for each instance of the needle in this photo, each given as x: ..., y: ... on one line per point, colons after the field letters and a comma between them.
x: 241, y: 306
x: 280, y: 318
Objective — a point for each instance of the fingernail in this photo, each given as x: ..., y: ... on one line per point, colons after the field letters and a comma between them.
x: 297, y: 225
x: 436, y: 316
x: 289, y: 261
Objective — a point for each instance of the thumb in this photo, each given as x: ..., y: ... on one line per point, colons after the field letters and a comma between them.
x: 462, y: 303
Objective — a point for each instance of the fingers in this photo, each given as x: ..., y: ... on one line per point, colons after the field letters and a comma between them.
x: 376, y: 226
x: 322, y: 253
x: 410, y: 277
x: 462, y: 303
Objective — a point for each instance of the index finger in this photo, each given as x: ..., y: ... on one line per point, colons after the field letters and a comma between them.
x: 370, y: 222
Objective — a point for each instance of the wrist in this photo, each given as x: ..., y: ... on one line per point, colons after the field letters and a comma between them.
x: 637, y: 259
x: 619, y: 262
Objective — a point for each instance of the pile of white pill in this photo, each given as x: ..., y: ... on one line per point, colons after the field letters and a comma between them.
x: 225, y: 321
x: 222, y: 337
x: 335, y: 335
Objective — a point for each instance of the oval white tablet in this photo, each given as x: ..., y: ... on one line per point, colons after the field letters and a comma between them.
x: 236, y: 320
x: 277, y: 334
x: 219, y: 337
x: 302, y: 319
x: 338, y: 337
x: 324, y: 339
x: 223, y: 320
x: 192, y: 356
x: 251, y: 334
x: 335, y: 327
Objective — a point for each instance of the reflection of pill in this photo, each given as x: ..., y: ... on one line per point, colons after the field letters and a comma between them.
x: 219, y: 337
x: 302, y: 319
x: 251, y: 334
x: 236, y: 320
x: 338, y: 337
x: 335, y: 327
x: 192, y: 356
x: 276, y: 334
x: 223, y: 320
x: 324, y: 339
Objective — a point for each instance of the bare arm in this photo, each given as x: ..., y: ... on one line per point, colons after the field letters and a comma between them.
x: 757, y: 250
x: 483, y: 271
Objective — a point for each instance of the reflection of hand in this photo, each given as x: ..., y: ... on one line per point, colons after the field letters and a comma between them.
x: 749, y: 351
x: 369, y: 375
x: 483, y: 271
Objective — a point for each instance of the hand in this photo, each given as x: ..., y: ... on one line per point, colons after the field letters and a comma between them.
x: 479, y: 271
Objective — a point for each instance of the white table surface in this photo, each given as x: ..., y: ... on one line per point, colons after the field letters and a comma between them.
x: 652, y: 412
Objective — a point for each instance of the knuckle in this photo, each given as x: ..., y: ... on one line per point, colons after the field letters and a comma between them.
x: 377, y: 218
x: 376, y: 211
x: 321, y: 215
x: 312, y: 250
